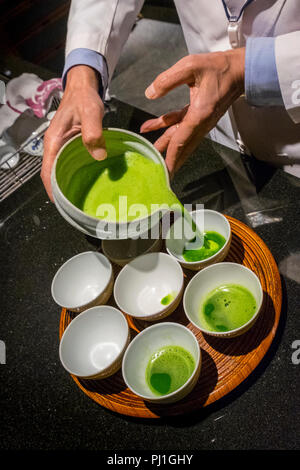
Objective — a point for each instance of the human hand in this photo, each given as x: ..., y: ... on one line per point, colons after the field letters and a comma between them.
x: 215, y: 80
x: 81, y: 110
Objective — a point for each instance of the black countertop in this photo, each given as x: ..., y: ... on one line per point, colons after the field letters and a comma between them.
x: 41, y: 406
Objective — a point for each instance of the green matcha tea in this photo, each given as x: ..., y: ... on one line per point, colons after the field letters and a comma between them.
x: 138, y: 178
x: 124, y: 188
x: 212, y: 243
x: 227, y: 307
x: 168, y: 369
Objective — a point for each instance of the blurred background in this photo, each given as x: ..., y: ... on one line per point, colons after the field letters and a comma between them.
x: 33, y: 33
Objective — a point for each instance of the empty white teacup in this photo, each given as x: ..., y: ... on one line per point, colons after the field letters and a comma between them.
x: 93, y: 344
x: 83, y: 281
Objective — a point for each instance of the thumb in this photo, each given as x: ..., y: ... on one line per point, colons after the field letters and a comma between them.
x: 179, y: 74
x: 92, y: 136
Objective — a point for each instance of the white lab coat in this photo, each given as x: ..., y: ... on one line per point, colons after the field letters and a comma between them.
x: 270, y: 133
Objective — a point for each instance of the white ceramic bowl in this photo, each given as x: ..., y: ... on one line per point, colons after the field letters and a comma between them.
x: 93, y: 344
x: 143, y: 283
x: 73, y: 156
x: 83, y: 281
x: 145, y: 344
x: 212, y: 277
x: 207, y: 220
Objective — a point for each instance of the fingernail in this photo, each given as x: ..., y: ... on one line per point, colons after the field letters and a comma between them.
x: 150, y: 92
x: 99, y: 154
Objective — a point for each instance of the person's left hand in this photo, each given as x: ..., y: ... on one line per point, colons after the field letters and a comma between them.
x: 215, y: 80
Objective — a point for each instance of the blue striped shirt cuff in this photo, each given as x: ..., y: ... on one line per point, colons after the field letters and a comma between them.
x: 261, y: 79
x: 82, y: 56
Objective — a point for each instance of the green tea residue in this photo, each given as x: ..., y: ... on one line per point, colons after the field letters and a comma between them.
x: 167, y: 299
x: 227, y: 307
x: 212, y: 243
x: 168, y: 369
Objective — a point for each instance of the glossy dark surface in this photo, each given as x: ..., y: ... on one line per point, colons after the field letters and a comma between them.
x: 41, y: 406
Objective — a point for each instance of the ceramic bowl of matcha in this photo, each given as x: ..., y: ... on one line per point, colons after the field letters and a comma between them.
x: 223, y: 300
x: 149, y: 287
x: 162, y: 363
x: 216, y: 242
x: 87, y: 192
x: 93, y: 344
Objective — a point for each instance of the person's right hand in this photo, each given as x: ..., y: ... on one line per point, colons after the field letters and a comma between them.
x: 81, y: 110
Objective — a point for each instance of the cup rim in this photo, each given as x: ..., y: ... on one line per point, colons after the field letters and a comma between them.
x: 79, y: 211
x: 60, y: 269
x: 165, y: 307
x: 86, y: 313
x: 235, y: 330
x: 138, y: 337
x: 212, y: 257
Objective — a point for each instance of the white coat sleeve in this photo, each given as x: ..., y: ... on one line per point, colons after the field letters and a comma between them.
x: 287, y: 53
x: 102, y: 26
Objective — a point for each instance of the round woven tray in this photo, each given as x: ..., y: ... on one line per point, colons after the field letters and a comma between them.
x: 225, y: 362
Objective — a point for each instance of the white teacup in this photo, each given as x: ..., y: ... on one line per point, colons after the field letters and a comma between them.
x: 144, y: 345
x: 93, y: 344
x: 83, y: 281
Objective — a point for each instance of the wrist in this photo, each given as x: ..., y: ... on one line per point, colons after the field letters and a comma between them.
x: 236, y: 59
x: 82, y: 76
